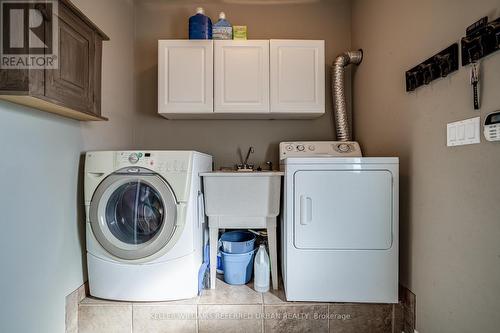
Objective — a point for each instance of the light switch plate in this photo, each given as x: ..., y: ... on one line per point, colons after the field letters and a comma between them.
x: 465, y: 132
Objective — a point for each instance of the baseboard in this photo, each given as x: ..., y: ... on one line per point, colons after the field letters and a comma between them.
x: 72, y: 301
x: 407, y: 301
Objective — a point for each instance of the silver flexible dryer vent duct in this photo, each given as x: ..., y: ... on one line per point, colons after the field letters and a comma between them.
x: 338, y: 90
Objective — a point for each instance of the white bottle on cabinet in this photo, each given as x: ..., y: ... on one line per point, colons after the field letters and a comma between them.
x: 261, y: 270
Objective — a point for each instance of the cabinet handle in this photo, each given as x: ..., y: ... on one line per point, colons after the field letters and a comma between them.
x: 305, y: 210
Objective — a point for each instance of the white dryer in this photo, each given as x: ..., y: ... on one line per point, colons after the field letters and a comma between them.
x: 339, y: 224
x: 145, y: 223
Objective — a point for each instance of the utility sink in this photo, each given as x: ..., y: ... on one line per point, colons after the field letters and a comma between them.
x: 242, y: 199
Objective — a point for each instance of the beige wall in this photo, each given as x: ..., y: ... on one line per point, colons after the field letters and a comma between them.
x: 116, y: 19
x: 450, y: 211
x: 160, y: 19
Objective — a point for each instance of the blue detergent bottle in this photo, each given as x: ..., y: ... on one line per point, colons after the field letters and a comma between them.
x: 222, y: 29
x: 200, y: 25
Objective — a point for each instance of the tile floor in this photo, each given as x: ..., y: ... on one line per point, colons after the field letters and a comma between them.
x: 234, y: 309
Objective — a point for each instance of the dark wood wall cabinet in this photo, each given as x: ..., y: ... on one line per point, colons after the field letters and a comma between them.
x: 73, y: 88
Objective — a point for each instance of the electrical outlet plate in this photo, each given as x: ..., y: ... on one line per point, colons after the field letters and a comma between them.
x: 465, y: 132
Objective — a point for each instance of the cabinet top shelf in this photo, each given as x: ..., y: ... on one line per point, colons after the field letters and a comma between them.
x: 71, y: 88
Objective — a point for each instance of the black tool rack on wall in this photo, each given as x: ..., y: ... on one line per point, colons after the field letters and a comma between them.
x: 482, y: 38
x: 439, y: 65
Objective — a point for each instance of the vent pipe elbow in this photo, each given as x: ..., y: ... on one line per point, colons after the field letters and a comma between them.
x: 338, y: 90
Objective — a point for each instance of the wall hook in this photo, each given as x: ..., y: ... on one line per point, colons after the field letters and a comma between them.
x: 439, y: 65
x: 481, y: 39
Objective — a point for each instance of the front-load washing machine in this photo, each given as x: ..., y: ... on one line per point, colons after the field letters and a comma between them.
x: 339, y: 224
x: 145, y: 223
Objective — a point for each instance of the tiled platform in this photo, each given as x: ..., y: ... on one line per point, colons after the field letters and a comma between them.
x: 235, y: 309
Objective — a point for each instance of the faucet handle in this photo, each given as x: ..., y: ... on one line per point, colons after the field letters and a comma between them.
x: 245, y: 167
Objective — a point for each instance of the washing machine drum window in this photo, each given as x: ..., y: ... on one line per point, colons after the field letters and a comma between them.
x: 133, y: 216
x: 134, y: 212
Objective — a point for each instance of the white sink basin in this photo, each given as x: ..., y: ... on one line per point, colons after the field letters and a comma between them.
x: 242, y: 199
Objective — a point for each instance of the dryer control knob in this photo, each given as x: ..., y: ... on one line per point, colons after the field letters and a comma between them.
x: 133, y: 158
x: 301, y: 147
x: 344, y: 148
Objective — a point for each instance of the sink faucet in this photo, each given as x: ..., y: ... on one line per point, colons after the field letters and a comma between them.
x: 245, y: 166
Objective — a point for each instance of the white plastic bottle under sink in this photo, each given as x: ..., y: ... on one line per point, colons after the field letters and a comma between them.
x: 261, y: 270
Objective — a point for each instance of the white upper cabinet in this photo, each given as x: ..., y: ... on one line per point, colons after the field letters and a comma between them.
x: 249, y: 79
x: 298, y: 77
x: 185, y: 77
x: 241, y: 76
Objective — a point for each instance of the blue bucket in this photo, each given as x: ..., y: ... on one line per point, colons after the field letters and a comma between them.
x: 237, y: 241
x: 238, y: 267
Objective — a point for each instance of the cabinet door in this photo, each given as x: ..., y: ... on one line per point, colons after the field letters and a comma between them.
x: 298, y: 76
x: 241, y: 76
x: 72, y: 83
x: 185, y: 76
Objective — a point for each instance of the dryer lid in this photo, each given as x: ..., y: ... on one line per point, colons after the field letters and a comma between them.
x: 133, y: 213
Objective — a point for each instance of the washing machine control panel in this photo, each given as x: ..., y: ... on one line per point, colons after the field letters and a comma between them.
x: 134, y: 158
x: 320, y: 149
x: 150, y: 160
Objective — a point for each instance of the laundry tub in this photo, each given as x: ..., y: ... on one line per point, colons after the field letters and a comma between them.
x: 242, y: 200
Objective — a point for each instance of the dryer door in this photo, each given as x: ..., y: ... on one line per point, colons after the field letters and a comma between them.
x: 133, y: 213
x: 343, y: 209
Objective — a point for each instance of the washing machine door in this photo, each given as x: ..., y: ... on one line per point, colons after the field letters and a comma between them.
x: 133, y: 213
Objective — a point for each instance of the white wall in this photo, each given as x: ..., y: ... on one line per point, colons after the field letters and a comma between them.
x: 40, y: 243
x: 42, y: 248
